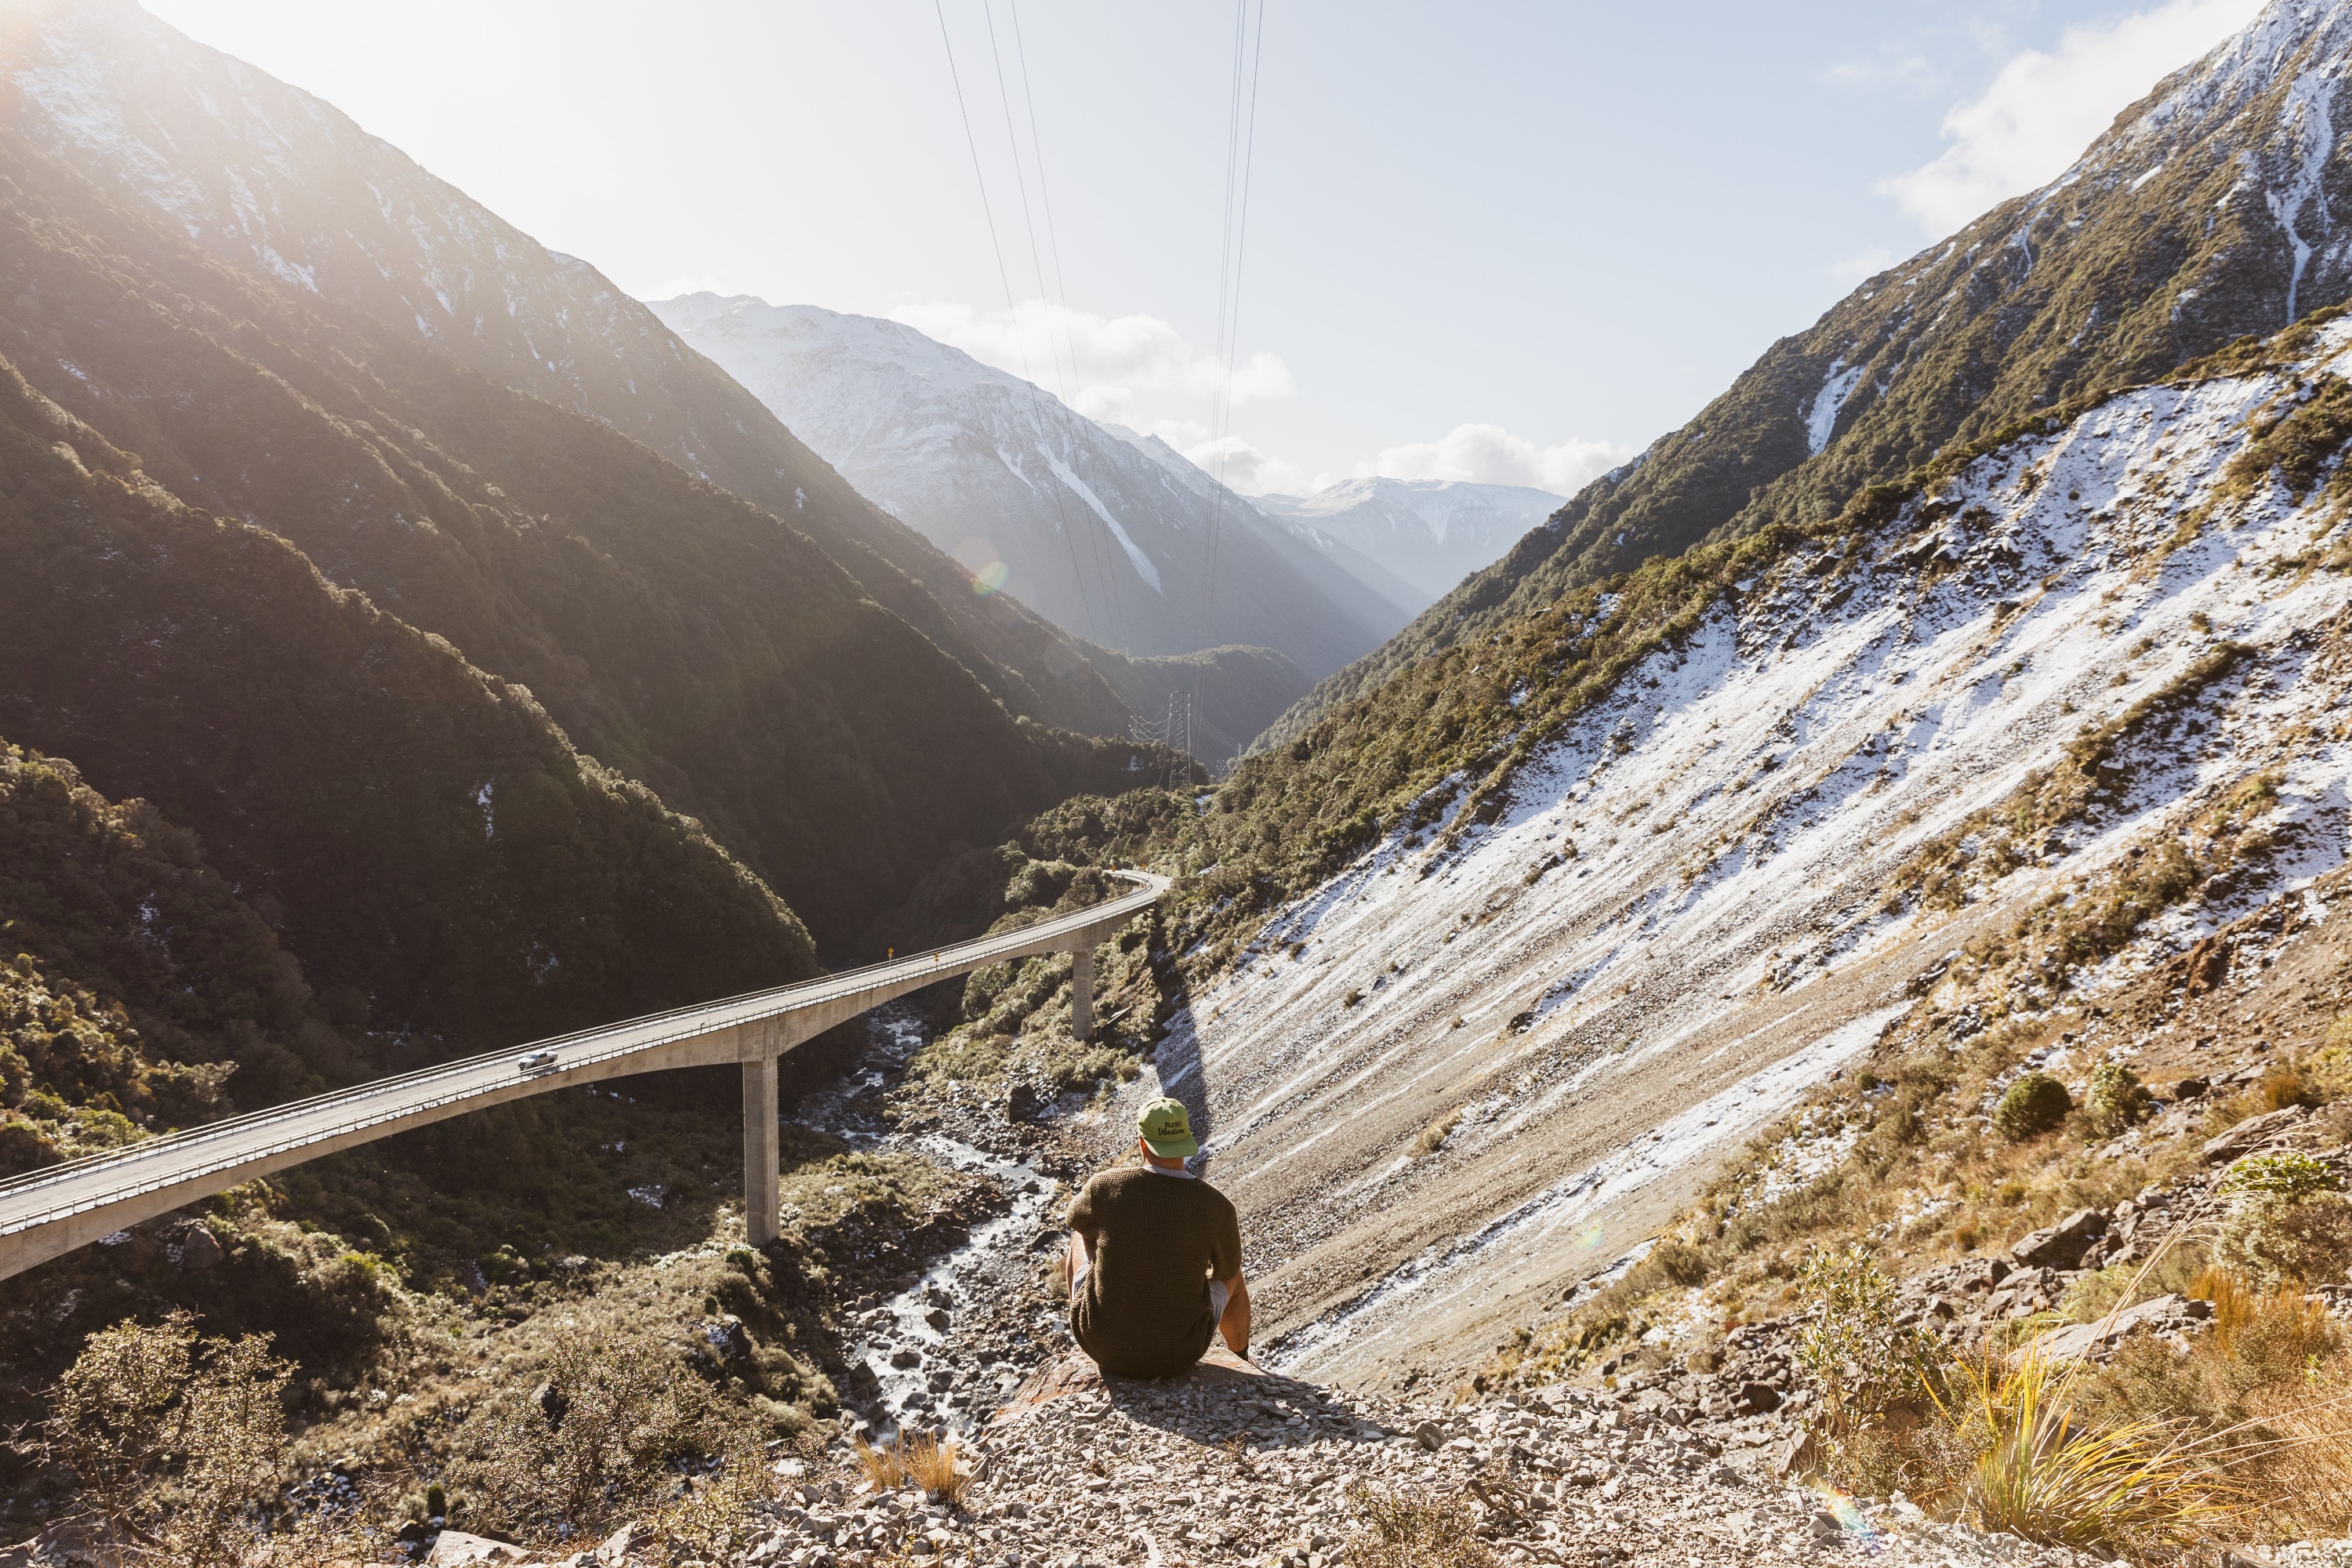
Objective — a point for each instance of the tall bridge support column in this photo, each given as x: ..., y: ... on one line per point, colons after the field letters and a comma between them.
x: 1082, y: 994
x: 762, y: 1187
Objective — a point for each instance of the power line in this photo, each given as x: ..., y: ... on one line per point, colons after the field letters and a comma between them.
x: 1005, y: 276
x: 1096, y: 546
x: 1241, y: 145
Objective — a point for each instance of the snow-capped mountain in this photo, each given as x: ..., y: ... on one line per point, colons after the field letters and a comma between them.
x: 1105, y: 537
x: 1429, y: 533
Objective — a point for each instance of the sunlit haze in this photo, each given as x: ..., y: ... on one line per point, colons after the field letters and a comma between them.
x: 1492, y: 242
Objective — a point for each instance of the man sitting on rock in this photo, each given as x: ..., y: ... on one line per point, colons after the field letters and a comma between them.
x: 1156, y: 1258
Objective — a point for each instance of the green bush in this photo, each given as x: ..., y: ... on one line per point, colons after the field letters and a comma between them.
x: 2292, y: 1176
x: 2116, y: 1099
x: 2034, y: 1105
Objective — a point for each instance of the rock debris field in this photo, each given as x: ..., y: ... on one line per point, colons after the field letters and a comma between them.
x: 1230, y: 1466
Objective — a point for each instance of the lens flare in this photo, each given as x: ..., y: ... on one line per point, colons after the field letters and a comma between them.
x: 989, y: 579
x: 1841, y: 1506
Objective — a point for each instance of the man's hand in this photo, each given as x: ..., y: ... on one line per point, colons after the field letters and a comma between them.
x: 1235, y: 1324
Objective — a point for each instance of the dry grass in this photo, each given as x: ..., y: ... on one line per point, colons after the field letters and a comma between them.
x: 716, y: 1517
x: 1425, y: 1530
x: 920, y: 1460
x: 1434, y: 1136
x: 2041, y: 1470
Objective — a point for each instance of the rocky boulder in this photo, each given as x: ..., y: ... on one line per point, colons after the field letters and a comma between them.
x: 455, y: 1549
x: 2163, y: 1315
x: 2251, y: 1134
x: 2062, y: 1246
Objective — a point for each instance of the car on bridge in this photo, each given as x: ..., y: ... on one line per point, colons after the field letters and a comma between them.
x: 536, y: 1062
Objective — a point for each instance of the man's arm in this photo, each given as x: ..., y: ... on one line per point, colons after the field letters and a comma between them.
x: 1235, y: 1324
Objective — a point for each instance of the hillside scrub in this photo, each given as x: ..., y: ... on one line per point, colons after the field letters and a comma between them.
x: 2163, y: 1443
x: 142, y: 992
x: 1430, y: 752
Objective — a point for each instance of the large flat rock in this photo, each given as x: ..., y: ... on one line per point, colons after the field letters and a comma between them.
x: 1075, y: 1372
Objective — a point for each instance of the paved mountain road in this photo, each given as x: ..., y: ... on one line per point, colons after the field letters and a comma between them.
x: 52, y: 1211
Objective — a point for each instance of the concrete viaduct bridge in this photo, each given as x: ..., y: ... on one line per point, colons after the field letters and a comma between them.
x: 52, y: 1211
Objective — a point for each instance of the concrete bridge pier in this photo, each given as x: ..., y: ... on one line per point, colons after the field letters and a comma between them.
x: 1082, y: 992
x: 763, y: 1181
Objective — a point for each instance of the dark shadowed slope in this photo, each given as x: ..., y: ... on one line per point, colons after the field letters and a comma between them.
x: 282, y: 186
x: 445, y: 866
x: 679, y: 632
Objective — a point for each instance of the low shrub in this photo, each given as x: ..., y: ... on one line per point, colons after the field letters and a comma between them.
x: 593, y: 1442
x: 2116, y: 1099
x: 1862, y: 1358
x: 1422, y: 1530
x: 173, y: 1438
x: 2036, y: 1103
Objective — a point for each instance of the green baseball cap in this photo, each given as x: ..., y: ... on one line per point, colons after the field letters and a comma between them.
x: 1166, y: 1129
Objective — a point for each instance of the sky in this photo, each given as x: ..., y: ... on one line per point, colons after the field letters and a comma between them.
x: 1505, y: 242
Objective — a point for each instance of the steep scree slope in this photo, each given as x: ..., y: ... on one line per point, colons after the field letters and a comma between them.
x: 278, y: 185
x: 1482, y: 1062
x: 2204, y: 213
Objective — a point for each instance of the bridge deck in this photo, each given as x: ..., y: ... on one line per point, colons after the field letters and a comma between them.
x: 51, y: 1210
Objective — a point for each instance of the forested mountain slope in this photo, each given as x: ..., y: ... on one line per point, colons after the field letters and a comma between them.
x: 2205, y: 213
x: 684, y: 635
x: 282, y: 186
x: 1077, y: 520
x: 418, y: 832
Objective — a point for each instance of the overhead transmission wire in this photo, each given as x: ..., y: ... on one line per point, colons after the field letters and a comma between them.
x: 1241, y: 146
x: 1003, y: 276
x: 1107, y: 578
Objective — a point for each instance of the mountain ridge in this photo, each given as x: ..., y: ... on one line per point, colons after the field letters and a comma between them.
x: 2138, y: 258
x: 277, y: 183
x: 1428, y: 533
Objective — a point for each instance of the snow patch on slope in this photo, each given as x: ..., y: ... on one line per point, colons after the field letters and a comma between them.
x: 1736, y: 807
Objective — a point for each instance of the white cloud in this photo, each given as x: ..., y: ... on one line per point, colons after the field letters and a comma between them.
x: 1096, y: 363
x: 1242, y: 468
x: 1888, y: 70
x: 1867, y: 262
x: 2043, y: 110
x: 1489, y: 454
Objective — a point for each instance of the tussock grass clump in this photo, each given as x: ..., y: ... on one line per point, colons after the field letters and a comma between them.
x: 2043, y: 1472
x: 1434, y: 1136
x: 933, y: 1464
